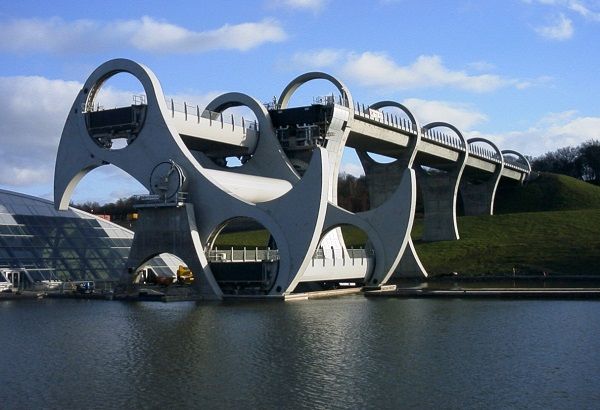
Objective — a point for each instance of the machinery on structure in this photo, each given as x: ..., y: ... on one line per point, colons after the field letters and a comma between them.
x: 286, y: 183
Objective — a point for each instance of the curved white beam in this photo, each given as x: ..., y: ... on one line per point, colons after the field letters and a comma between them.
x: 291, y: 88
x: 268, y: 158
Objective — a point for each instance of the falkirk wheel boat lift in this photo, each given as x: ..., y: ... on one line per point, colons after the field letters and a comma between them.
x: 287, y: 182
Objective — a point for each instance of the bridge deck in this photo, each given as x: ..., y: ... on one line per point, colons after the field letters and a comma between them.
x: 372, y: 131
x: 212, y: 133
x: 389, y: 136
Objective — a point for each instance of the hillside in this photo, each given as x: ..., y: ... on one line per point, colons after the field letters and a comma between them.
x: 551, y: 224
x: 559, y: 243
x: 547, y: 192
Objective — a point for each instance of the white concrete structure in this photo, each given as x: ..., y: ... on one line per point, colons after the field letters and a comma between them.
x: 287, y: 182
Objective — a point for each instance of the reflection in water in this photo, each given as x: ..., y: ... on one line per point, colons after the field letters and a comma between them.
x: 336, y: 353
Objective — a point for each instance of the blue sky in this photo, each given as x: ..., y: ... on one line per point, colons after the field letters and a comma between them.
x: 524, y: 73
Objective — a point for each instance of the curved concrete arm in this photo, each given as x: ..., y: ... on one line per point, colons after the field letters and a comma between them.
x: 387, y: 103
x: 519, y: 155
x: 491, y: 144
x: 436, y: 124
x: 230, y: 100
x: 291, y: 88
x: 268, y: 157
x: 110, y: 68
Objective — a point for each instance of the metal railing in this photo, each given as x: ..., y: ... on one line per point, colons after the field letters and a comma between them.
x: 136, y: 99
x: 245, y: 254
x: 515, y: 163
x: 139, y: 99
x: 154, y: 200
x: 232, y: 255
x: 385, y: 118
x: 193, y: 112
x: 484, y: 153
x: 441, y: 138
x: 342, y: 257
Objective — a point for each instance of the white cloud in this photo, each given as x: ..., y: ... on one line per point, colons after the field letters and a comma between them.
x: 539, y: 81
x: 326, y: 57
x: 461, y: 116
x: 556, y: 130
x: 379, y: 70
x: 147, y: 34
x: 33, y: 113
x: 562, y: 26
x: 310, y: 5
x: 583, y: 8
x: 481, y: 66
x: 560, y: 29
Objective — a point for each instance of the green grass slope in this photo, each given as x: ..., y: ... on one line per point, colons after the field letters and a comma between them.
x: 551, y: 224
x: 559, y: 243
x: 547, y: 192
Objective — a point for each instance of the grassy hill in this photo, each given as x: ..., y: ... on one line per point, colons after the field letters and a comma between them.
x: 559, y: 243
x: 551, y: 224
x: 547, y: 192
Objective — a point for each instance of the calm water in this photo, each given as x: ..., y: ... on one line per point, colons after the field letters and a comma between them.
x: 348, y: 352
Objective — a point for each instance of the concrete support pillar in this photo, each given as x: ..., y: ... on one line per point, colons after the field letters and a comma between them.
x: 382, y: 181
x: 172, y: 230
x: 478, y: 199
x: 478, y: 196
x: 439, y: 192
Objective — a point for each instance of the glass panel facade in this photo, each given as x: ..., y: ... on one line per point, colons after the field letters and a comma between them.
x: 71, y: 244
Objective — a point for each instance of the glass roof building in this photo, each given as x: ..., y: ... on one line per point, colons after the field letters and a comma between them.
x: 63, y: 245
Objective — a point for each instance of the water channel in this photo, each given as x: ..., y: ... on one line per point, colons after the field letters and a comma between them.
x: 347, y: 352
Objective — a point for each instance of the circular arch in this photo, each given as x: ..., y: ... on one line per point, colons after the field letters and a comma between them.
x: 415, y: 142
x: 348, y: 250
x: 75, y: 161
x: 146, y: 263
x: 402, y: 107
x: 333, y: 227
x: 113, y: 67
x: 154, y: 96
x: 491, y: 144
x: 436, y: 124
x: 291, y: 88
x: 231, y: 100
x: 519, y: 155
x: 271, y: 243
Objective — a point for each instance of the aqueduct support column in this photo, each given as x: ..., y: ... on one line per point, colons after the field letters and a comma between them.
x: 382, y: 181
x: 478, y: 196
x: 439, y: 200
x: 440, y: 190
x: 478, y: 199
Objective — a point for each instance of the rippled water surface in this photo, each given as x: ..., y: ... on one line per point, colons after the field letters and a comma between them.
x: 349, y: 352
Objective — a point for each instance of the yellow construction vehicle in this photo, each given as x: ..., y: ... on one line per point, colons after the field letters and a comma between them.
x: 185, y: 275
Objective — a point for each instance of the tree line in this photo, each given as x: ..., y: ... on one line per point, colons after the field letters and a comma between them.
x: 581, y: 162
x: 117, y: 210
